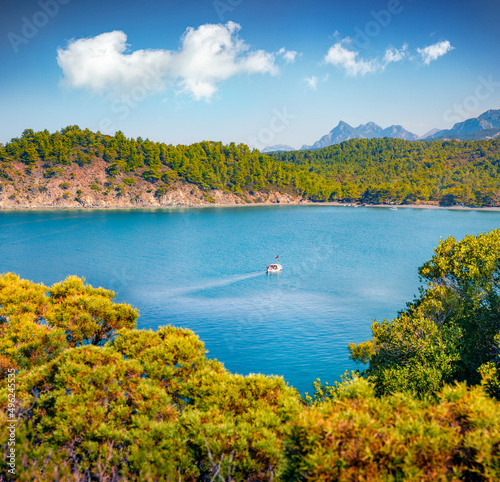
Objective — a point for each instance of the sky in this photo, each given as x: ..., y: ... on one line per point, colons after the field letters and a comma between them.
x: 258, y: 72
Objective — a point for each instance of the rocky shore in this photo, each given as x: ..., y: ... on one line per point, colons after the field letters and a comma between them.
x: 89, y: 187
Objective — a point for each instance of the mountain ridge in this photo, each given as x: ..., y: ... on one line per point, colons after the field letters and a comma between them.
x: 485, y: 126
x: 488, y: 123
x: 345, y: 132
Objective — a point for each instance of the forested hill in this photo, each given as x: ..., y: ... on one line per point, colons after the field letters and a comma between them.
x: 80, y: 168
x: 385, y: 170
x: 77, y: 165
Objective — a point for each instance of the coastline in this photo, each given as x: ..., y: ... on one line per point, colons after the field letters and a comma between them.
x: 243, y: 205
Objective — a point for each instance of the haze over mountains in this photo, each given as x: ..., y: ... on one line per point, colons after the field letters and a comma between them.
x: 486, y: 126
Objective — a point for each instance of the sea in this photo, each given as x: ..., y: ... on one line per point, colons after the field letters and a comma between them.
x: 205, y: 269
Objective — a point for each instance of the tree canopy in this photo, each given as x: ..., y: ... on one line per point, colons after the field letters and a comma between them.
x: 451, y: 332
x: 360, y: 170
x: 403, y: 172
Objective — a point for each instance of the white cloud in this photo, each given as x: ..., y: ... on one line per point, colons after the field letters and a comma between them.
x: 433, y: 52
x: 348, y: 60
x: 312, y: 82
x: 342, y: 57
x: 288, y: 55
x: 208, y: 55
x: 394, y: 55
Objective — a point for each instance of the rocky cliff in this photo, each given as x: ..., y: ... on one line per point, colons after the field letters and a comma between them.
x: 90, y: 187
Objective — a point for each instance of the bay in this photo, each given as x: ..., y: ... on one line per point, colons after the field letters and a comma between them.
x: 204, y: 269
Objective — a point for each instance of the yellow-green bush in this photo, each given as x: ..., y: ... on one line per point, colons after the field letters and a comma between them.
x: 453, y: 437
x: 99, y: 400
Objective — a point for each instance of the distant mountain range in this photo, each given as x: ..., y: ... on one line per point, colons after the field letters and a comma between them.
x: 278, y: 148
x: 486, y: 126
x: 344, y: 132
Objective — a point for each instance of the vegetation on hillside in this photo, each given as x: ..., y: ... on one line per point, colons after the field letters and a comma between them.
x: 209, y: 165
x: 359, y: 170
x: 403, y: 172
x: 96, y: 399
x: 451, y: 332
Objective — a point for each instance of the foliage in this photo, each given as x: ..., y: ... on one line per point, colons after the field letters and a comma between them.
x: 449, y: 332
x: 404, y: 172
x: 352, y: 385
x: 470, y: 271
x: 98, y: 400
x: 453, y: 437
x: 35, y: 327
x: 360, y: 170
x: 209, y: 165
x: 145, y: 406
x: 152, y: 416
x: 161, y: 191
x: 87, y: 314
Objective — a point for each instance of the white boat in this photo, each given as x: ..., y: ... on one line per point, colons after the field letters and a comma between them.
x: 394, y: 208
x: 275, y: 267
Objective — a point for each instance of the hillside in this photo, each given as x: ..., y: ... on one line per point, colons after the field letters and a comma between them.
x: 402, y: 172
x: 77, y: 168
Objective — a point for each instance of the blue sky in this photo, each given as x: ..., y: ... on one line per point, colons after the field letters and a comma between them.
x: 262, y: 73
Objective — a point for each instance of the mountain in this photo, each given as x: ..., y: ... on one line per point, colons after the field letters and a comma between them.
x: 399, y: 132
x: 277, y: 148
x: 344, y: 132
x: 431, y: 133
x: 486, y: 126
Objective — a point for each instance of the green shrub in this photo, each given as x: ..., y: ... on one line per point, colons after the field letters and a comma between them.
x: 161, y: 191
x: 53, y: 172
x: 455, y: 437
x: 130, y: 181
x: 448, y: 333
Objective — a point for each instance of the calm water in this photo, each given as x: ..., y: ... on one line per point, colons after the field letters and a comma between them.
x: 204, y: 269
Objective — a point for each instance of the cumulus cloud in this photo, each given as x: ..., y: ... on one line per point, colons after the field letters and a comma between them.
x: 349, y: 60
x: 208, y: 55
x: 288, y: 55
x: 433, y: 52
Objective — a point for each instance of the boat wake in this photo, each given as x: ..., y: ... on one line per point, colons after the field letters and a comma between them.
x: 214, y: 284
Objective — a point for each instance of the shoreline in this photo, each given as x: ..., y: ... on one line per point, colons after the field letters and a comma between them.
x: 246, y: 205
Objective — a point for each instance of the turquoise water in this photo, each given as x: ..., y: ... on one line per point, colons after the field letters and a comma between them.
x: 204, y: 269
